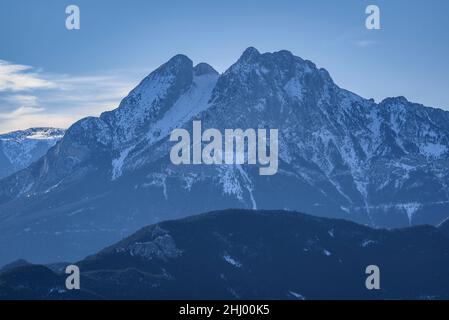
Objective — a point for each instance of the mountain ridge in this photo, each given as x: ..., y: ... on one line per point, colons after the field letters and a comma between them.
x: 18, y: 149
x: 247, y: 254
x: 340, y: 155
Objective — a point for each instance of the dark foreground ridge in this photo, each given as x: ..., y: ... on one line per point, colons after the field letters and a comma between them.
x: 243, y: 254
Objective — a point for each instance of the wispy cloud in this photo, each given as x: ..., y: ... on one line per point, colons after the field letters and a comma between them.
x: 87, y: 91
x: 27, y: 117
x: 22, y: 111
x: 23, y: 118
x: 30, y: 98
x: 27, y: 100
x: 17, y: 77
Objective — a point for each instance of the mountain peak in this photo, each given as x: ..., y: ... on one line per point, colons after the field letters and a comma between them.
x: 400, y: 100
x: 249, y: 54
x: 14, y: 264
x: 174, y: 65
x: 179, y: 58
x: 284, y: 53
x: 203, y: 69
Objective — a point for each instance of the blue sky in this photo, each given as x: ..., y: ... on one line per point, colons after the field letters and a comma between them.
x: 50, y: 76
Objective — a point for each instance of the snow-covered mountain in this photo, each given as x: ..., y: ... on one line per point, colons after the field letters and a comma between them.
x: 19, y: 149
x: 382, y: 164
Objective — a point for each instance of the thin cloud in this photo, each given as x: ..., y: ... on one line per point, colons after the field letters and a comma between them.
x: 17, y: 77
x: 22, y: 111
x: 21, y: 100
x: 29, y: 98
x: 41, y: 119
x: 28, y: 117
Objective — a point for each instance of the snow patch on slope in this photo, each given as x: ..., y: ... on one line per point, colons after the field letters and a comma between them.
x: 433, y: 150
x: 232, y: 261
x: 117, y: 164
x: 193, y: 102
x: 294, y: 89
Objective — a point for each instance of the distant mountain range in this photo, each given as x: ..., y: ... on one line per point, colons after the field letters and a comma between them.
x: 340, y: 155
x: 19, y: 149
x: 240, y: 254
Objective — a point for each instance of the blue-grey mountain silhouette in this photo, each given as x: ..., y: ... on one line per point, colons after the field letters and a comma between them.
x: 19, y: 149
x: 240, y: 254
x: 340, y: 155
